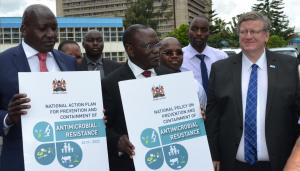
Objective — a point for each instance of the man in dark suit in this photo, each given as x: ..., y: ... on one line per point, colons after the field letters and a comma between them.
x: 253, y: 100
x: 142, y: 46
x: 34, y: 54
x: 93, y: 45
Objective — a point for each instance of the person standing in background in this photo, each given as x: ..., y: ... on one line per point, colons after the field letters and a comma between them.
x: 93, y: 60
x: 198, y: 56
x: 70, y: 47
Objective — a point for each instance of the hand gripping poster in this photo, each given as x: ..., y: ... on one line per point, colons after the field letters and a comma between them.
x: 164, y: 123
x: 64, y: 128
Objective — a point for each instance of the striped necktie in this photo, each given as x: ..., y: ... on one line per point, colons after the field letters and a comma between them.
x: 250, y: 119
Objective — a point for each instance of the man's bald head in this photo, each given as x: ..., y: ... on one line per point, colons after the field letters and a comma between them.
x: 39, y: 28
x: 169, y: 40
x: 32, y: 12
x: 171, y: 54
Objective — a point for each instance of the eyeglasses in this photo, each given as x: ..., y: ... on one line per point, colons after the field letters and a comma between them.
x: 150, y: 46
x: 178, y: 52
x: 251, y: 32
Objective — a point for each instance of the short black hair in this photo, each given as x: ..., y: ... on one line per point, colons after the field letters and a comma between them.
x: 63, y: 43
x: 129, y: 32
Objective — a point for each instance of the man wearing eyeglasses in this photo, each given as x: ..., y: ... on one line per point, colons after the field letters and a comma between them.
x: 171, y: 56
x: 198, y: 56
x: 253, y: 102
x: 93, y: 61
x: 142, y: 46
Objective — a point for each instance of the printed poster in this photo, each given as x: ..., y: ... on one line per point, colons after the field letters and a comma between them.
x: 164, y: 123
x: 64, y: 129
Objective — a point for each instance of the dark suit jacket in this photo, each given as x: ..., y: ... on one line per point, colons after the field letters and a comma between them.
x: 224, y: 111
x: 116, y: 125
x: 108, y: 66
x: 13, y: 61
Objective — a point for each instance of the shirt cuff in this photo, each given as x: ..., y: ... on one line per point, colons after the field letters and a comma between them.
x: 5, y: 126
x: 120, y: 154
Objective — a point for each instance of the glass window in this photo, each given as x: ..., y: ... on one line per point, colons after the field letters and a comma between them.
x: 7, y: 35
x: 121, y: 59
x: 7, y: 41
x: 120, y: 53
x: 107, y: 55
x: 63, y: 34
x: 16, y: 41
x: 113, y: 36
x: 114, y: 54
x: 70, y: 35
x: 6, y: 30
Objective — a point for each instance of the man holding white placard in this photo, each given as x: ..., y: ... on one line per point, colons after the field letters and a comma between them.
x: 142, y: 46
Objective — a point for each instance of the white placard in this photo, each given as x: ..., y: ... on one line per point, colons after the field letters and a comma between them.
x: 64, y: 129
x: 164, y: 124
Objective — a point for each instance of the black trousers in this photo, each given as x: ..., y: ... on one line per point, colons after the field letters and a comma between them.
x: 258, y: 166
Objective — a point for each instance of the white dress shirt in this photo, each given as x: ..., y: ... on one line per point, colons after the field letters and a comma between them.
x: 192, y: 63
x: 137, y: 71
x: 33, y: 61
x: 262, y: 89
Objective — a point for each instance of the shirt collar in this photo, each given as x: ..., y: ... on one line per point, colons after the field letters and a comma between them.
x: 193, y: 52
x: 98, y: 61
x: 261, y: 62
x: 31, y: 52
x: 136, y: 69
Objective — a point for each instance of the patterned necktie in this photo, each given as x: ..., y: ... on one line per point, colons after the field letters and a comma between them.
x: 42, y: 61
x: 146, y: 74
x: 250, y: 119
x: 204, y: 74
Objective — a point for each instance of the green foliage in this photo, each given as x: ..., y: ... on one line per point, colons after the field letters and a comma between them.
x: 276, y: 41
x: 273, y: 9
x: 181, y: 33
x: 225, y: 34
x: 144, y: 12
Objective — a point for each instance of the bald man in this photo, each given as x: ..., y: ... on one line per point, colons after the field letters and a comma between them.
x: 170, y: 53
x: 34, y: 54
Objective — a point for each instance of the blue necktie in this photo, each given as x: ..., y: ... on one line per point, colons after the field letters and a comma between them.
x: 204, y: 74
x: 250, y: 119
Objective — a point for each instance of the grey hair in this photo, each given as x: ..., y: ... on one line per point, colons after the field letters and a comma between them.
x: 254, y: 15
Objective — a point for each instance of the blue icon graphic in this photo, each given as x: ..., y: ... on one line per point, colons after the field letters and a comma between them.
x: 43, y: 132
x: 150, y: 138
x: 45, y: 153
x: 175, y: 155
x: 154, y: 158
x: 69, y: 154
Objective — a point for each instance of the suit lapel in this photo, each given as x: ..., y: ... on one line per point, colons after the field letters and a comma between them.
x: 20, y: 60
x: 127, y: 73
x: 83, y: 66
x: 272, y: 77
x: 60, y: 61
x: 237, y: 75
